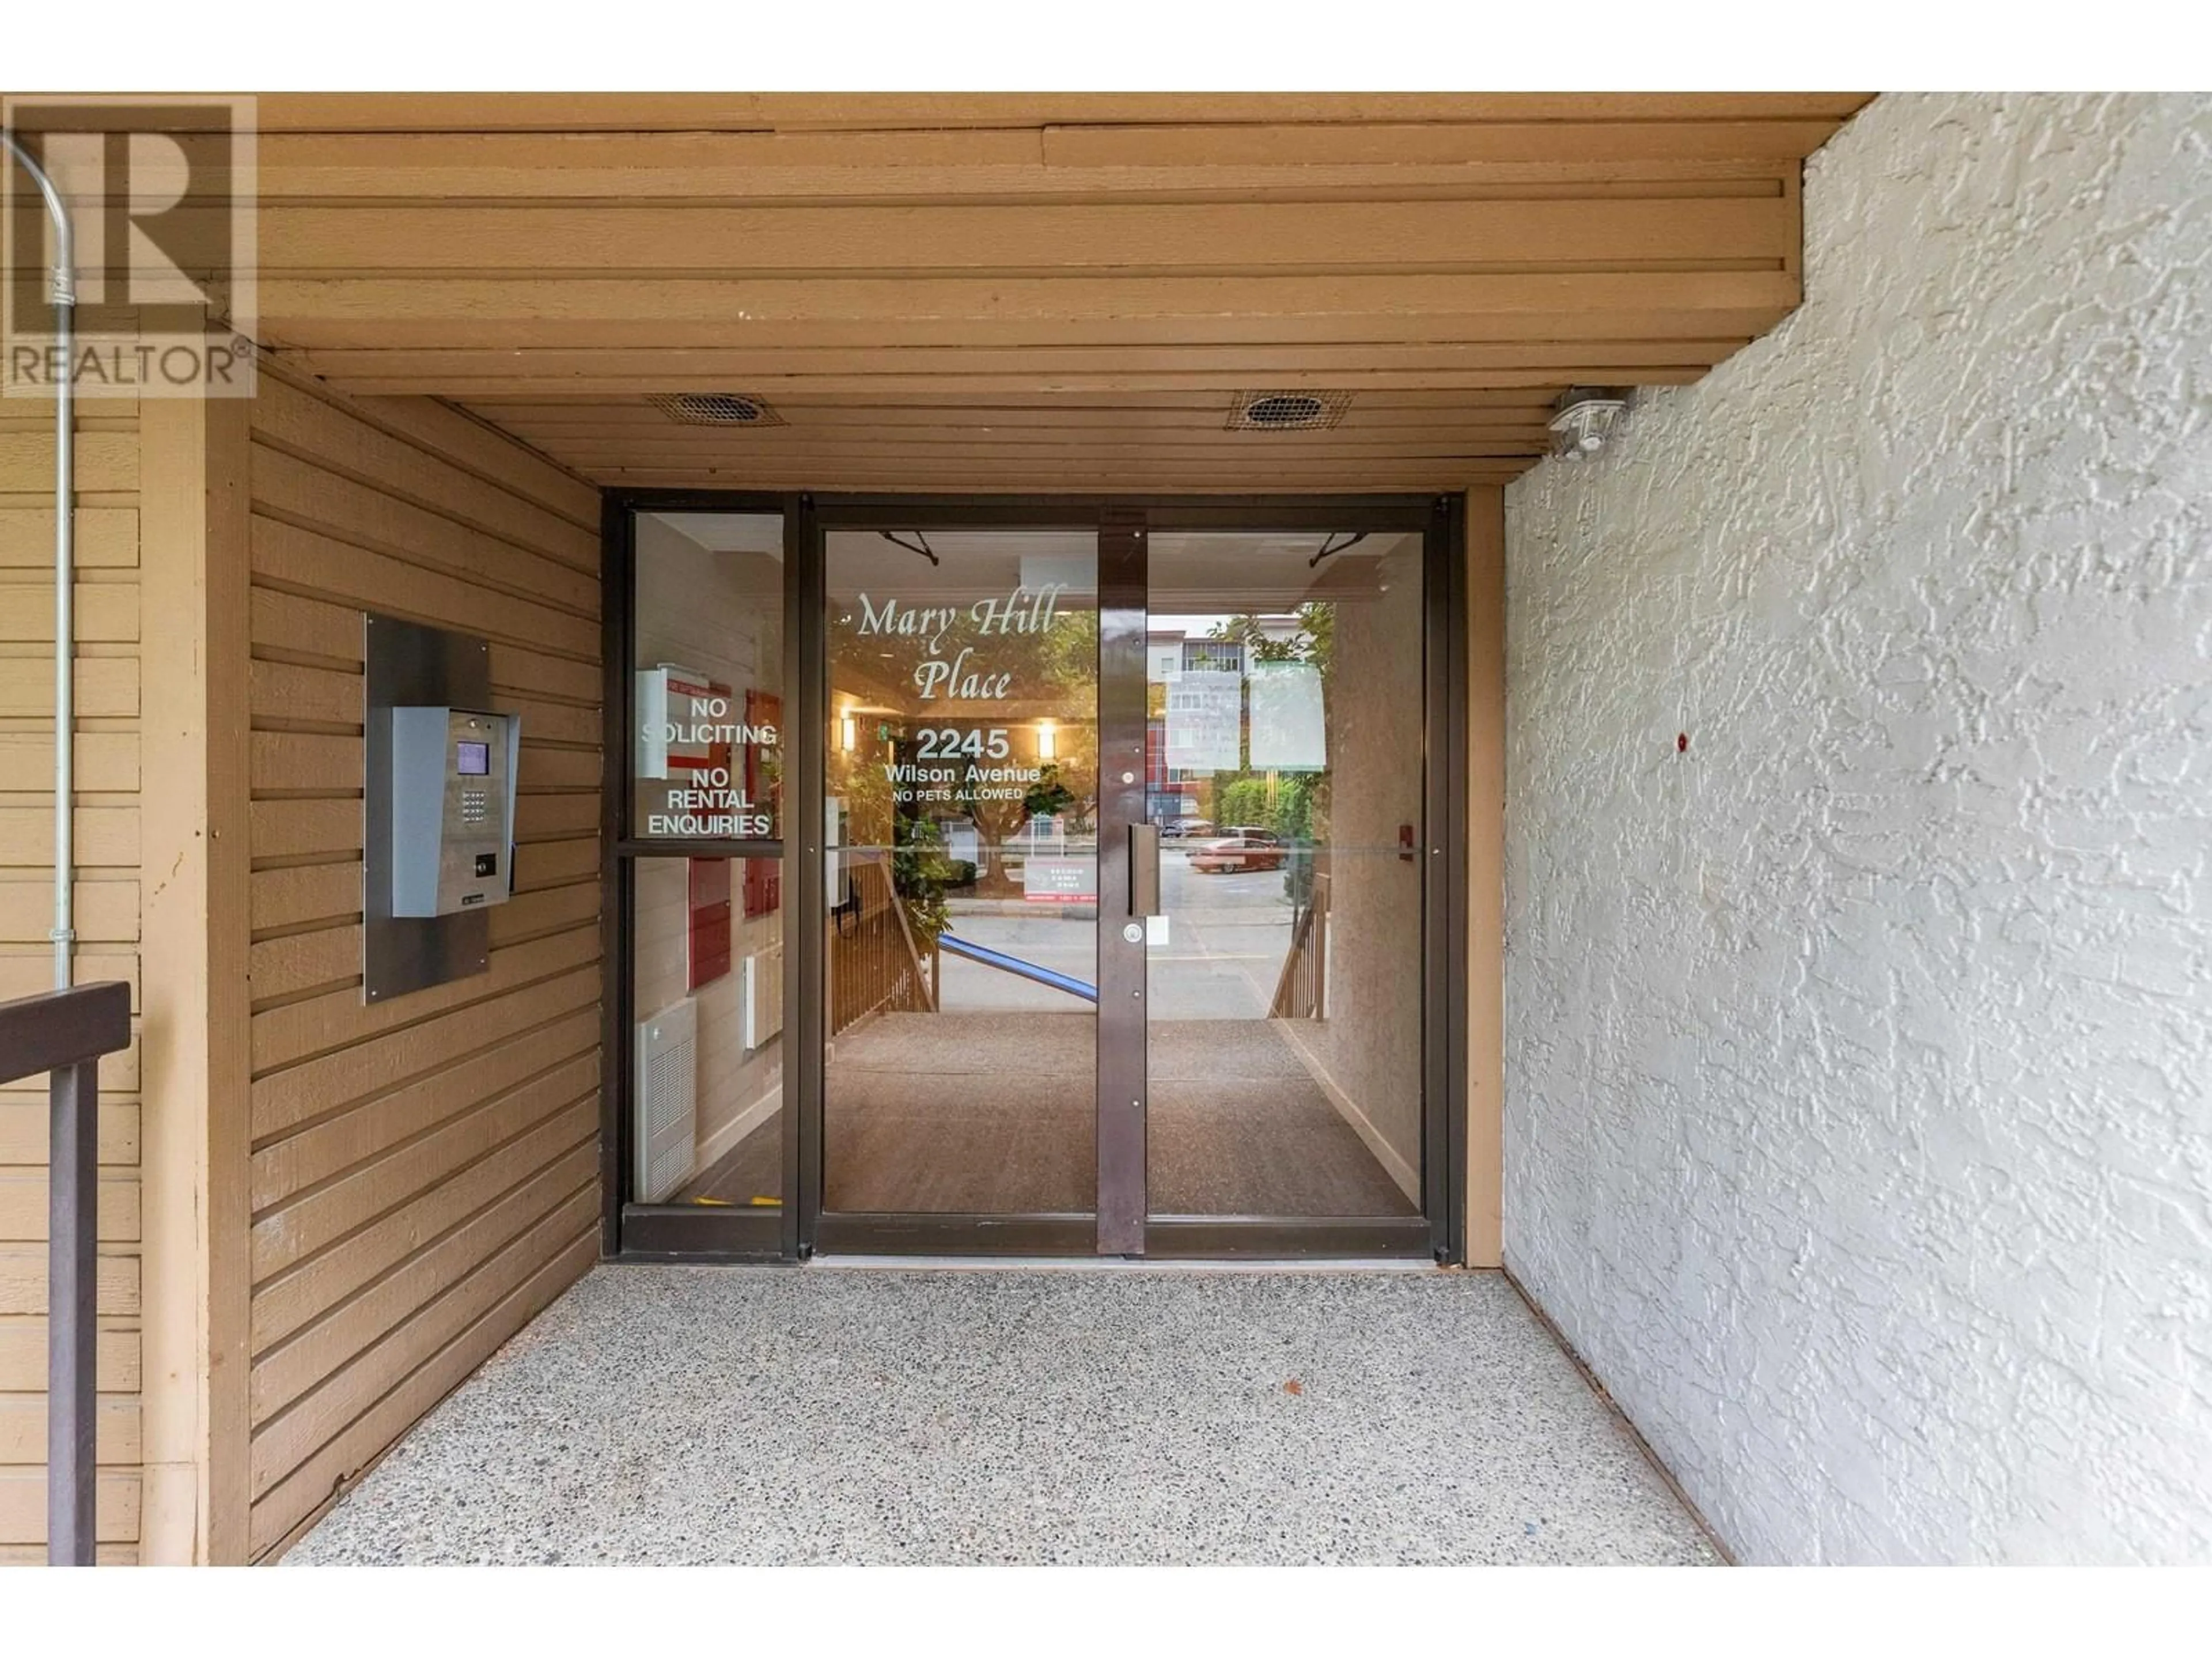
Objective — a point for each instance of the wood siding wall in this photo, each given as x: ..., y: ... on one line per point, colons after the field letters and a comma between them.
x: 424, y: 1173
x: 107, y: 850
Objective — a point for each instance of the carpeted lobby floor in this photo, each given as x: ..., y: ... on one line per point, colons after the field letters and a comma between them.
x: 872, y: 1414
x: 995, y: 1115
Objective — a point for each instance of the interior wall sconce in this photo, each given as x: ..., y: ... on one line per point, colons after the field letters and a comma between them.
x: 1047, y: 740
x: 848, y: 733
x: 1584, y: 420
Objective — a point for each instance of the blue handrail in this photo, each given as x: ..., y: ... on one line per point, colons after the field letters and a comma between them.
x: 999, y: 959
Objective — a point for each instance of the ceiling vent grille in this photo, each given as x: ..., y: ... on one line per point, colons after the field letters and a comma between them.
x: 1286, y: 412
x: 715, y: 408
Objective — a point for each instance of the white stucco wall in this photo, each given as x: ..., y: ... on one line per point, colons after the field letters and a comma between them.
x: 1859, y: 1060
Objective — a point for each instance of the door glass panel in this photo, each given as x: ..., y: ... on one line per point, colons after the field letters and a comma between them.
x: 707, y: 698
x: 707, y: 983
x: 1285, y: 770
x: 961, y: 872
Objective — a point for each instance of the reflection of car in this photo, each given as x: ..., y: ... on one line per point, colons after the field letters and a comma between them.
x: 1252, y: 850
x: 1186, y: 829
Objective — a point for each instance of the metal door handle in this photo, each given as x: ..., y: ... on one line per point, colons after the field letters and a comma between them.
x: 1144, y: 869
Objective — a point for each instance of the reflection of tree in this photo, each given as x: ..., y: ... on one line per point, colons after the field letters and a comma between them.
x: 921, y: 870
x: 858, y: 778
x: 1314, y: 642
x: 1047, y: 797
x: 1068, y: 663
x: 1061, y: 673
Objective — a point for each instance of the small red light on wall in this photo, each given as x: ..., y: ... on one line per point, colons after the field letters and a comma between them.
x: 1682, y: 742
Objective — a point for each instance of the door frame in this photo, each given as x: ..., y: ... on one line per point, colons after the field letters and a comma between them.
x: 802, y: 1227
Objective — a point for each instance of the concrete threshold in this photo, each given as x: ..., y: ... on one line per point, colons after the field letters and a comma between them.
x: 1079, y: 1264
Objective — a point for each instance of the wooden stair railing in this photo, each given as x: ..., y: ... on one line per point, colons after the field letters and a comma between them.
x: 1301, y: 990
x: 874, y: 962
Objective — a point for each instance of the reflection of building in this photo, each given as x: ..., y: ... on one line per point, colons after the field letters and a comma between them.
x: 1188, y: 645
x: 1180, y: 645
x: 1167, y: 797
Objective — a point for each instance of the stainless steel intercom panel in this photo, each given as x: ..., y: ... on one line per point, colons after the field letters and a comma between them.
x: 437, y: 807
x: 453, y: 809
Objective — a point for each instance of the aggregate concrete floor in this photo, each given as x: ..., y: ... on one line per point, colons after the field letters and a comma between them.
x: 835, y: 1413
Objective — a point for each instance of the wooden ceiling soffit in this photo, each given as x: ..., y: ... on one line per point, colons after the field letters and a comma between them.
x: 562, y: 112
x: 942, y: 291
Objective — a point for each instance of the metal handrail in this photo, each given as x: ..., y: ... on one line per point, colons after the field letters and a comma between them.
x: 1029, y: 970
x: 64, y: 1034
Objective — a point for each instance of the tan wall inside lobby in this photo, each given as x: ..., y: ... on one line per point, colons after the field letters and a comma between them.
x: 1367, y: 1047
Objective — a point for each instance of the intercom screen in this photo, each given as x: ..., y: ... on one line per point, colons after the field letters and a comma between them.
x: 472, y: 760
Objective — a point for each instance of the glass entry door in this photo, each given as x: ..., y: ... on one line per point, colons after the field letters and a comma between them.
x: 961, y: 870
x: 1014, y: 876
x: 1130, y: 906
x: 1285, y: 807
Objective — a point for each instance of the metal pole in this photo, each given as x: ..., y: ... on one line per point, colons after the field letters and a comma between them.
x: 64, y: 932
x: 63, y: 296
x: 71, y: 1268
